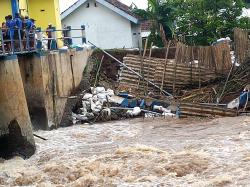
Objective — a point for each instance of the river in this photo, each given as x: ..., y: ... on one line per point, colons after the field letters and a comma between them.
x: 138, y: 152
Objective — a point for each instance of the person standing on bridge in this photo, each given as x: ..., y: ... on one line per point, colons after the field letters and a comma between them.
x: 5, y: 36
x: 19, y: 28
x: 28, y: 28
x: 49, y: 34
x: 11, y: 30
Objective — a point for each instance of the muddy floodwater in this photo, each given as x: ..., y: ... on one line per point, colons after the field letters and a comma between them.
x: 150, y: 152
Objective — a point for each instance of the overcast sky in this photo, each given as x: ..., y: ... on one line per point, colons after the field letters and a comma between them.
x: 64, y: 4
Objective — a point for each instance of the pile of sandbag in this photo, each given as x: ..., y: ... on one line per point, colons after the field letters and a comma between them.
x: 93, y: 104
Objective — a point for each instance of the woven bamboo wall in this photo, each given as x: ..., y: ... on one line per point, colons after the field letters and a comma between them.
x: 175, y: 76
x: 216, y: 57
x: 242, y: 44
x: 193, y: 66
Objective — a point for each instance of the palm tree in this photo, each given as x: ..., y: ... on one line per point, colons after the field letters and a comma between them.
x: 161, y: 16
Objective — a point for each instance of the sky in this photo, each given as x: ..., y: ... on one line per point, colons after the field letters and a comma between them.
x: 64, y: 4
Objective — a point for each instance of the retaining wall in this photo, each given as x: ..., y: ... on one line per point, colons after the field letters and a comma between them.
x: 14, y: 114
x: 48, y: 80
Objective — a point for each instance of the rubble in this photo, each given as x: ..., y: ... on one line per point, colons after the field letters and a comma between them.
x: 192, y: 84
x: 102, y: 104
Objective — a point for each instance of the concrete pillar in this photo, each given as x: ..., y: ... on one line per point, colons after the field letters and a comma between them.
x: 32, y: 76
x: 16, y: 136
x: 15, y: 7
x: 47, y: 82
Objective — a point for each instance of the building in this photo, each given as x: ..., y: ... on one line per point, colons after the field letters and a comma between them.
x: 109, y: 23
x: 43, y: 11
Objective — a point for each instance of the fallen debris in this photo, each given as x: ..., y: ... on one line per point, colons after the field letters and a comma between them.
x: 205, y: 110
x: 40, y: 137
x: 102, y: 104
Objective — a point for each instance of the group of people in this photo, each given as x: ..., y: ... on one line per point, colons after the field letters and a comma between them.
x: 18, y: 29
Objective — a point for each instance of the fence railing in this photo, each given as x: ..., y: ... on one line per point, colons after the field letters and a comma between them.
x: 18, y: 41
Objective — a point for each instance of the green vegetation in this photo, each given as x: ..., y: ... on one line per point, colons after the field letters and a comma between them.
x: 201, y: 22
x: 162, y: 15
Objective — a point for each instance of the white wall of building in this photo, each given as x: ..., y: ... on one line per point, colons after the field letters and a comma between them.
x: 136, y: 35
x: 104, y: 28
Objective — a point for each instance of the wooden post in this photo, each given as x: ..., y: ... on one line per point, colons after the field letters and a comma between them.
x: 199, y: 64
x: 223, y: 61
x: 165, y: 65
x: 178, y: 49
x: 145, y: 48
x: 191, y: 69
x: 149, y: 57
x: 98, y: 71
x: 142, y: 65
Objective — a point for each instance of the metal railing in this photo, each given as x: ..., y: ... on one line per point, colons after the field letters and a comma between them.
x: 23, y: 41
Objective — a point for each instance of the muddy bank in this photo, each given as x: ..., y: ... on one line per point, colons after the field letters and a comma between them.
x: 138, y: 153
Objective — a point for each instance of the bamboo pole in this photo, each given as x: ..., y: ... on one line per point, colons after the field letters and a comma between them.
x: 165, y: 65
x: 199, y: 66
x: 142, y: 64
x: 98, y: 71
x: 191, y: 70
x: 149, y: 57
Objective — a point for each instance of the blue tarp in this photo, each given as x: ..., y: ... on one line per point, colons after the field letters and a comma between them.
x: 244, y: 97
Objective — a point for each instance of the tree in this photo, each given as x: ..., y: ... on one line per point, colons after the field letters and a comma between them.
x: 161, y: 15
x: 201, y: 21
x: 205, y: 21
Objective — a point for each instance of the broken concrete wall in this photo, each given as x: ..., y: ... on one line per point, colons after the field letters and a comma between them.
x: 15, y: 123
x: 32, y: 76
x: 49, y: 79
x: 79, y: 62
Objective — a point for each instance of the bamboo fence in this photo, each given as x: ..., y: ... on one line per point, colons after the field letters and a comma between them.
x: 192, y: 67
x: 241, y: 44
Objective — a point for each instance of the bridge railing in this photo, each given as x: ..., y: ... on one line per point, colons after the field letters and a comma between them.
x: 25, y: 41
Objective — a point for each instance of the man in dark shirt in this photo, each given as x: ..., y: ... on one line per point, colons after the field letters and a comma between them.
x: 18, y: 21
x: 11, y: 30
x: 28, y: 28
x: 6, y: 36
x: 49, y: 33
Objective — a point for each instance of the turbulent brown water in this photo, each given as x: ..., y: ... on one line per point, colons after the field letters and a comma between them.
x: 139, y: 152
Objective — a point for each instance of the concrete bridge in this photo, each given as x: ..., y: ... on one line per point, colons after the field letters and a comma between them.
x: 34, y: 89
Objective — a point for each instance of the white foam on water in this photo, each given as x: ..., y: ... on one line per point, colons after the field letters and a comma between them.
x: 153, y: 152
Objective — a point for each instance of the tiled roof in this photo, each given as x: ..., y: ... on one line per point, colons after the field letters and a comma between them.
x: 115, y: 3
x: 122, y: 7
x: 146, y: 25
